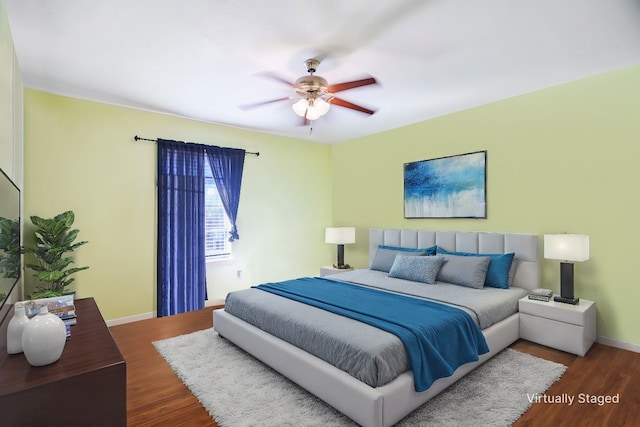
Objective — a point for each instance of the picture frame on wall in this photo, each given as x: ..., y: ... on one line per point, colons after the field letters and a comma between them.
x: 446, y: 187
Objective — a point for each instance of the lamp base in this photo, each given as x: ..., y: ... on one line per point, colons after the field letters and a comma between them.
x: 573, y: 301
x: 340, y: 256
x: 341, y: 266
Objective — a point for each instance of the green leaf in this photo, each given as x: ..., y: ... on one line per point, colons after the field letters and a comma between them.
x: 70, y: 237
x: 35, y: 267
x: 50, y: 276
x: 61, y: 264
x: 72, y: 247
x: 74, y: 270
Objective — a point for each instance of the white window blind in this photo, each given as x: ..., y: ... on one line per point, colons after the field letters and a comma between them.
x: 216, y: 223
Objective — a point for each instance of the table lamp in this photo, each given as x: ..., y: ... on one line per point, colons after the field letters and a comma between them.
x: 340, y: 236
x: 568, y: 248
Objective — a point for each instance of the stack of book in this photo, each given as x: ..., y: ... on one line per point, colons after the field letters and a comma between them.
x: 62, y: 306
x: 541, y: 294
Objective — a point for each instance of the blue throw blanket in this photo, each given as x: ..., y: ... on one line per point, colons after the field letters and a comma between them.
x: 438, y: 338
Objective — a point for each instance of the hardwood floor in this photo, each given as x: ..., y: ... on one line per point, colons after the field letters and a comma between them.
x: 604, y: 371
x: 156, y: 397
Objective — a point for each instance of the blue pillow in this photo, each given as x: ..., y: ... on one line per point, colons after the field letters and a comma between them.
x: 431, y: 250
x: 499, y: 272
x: 416, y: 268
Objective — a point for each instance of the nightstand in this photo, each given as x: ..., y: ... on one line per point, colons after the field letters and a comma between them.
x: 326, y: 271
x: 566, y: 327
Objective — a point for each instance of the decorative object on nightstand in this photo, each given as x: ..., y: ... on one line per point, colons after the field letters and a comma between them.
x: 340, y: 236
x: 541, y: 294
x: 568, y: 248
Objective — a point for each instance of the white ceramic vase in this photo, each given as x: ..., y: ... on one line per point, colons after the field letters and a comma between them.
x: 15, y: 329
x: 43, y: 338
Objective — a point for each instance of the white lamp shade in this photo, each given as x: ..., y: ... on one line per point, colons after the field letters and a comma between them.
x: 313, y: 112
x: 300, y: 107
x: 322, y: 106
x: 340, y: 235
x: 566, y: 247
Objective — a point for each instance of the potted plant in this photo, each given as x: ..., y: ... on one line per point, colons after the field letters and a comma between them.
x: 54, y: 239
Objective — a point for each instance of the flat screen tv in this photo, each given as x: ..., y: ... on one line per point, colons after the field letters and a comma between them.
x: 9, y: 241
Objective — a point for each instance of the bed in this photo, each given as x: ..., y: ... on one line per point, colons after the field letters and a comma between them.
x: 384, y: 404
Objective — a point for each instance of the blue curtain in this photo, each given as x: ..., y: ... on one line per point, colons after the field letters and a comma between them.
x: 226, y: 167
x: 181, y: 255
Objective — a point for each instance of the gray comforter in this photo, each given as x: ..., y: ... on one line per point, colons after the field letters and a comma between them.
x: 369, y: 354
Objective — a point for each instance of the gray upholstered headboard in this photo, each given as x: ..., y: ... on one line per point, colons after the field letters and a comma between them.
x: 525, y: 247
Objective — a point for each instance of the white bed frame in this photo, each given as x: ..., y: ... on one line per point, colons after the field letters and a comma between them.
x: 386, y: 405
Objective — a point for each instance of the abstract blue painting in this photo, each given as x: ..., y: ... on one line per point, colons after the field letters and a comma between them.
x: 446, y: 187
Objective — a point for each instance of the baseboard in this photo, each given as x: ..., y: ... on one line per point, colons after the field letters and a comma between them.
x: 151, y: 315
x: 129, y: 319
x: 624, y: 345
x: 209, y: 303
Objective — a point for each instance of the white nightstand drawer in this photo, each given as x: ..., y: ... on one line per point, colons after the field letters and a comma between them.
x: 563, y: 326
x: 566, y: 313
x: 558, y: 335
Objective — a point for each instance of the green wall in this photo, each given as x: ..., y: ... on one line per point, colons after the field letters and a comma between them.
x: 81, y: 156
x: 559, y: 160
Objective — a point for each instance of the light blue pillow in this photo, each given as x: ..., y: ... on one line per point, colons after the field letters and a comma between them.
x: 464, y: 270
x: 499, y: 273
x: 383, y: 259
x: 416, y: 268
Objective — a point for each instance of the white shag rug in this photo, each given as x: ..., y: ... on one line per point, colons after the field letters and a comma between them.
x: 238, y: 390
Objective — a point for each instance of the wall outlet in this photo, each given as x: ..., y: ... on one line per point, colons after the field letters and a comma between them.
x: 239, y: 274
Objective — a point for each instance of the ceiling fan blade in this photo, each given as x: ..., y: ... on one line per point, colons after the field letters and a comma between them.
x: 342, y: 103
x: 350, y: 85
x: 276, y: 77
x: 260, y: 104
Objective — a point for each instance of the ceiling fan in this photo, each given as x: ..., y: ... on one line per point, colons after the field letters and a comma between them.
x: 315, y: 95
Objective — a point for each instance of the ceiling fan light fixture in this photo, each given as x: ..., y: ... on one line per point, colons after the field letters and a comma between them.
x: 322, y: 106
x: 317, y: 107
x: 300, y: 107
x: 313, y: 112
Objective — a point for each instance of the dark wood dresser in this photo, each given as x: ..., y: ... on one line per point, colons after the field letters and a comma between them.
x: 85, y: 387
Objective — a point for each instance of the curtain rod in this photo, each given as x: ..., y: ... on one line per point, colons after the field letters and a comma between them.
x: 139, y: 138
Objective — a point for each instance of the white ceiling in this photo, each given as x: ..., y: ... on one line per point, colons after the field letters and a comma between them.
x: 202, y: 58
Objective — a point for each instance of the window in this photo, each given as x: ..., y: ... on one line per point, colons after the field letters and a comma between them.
x: 216, y: 223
